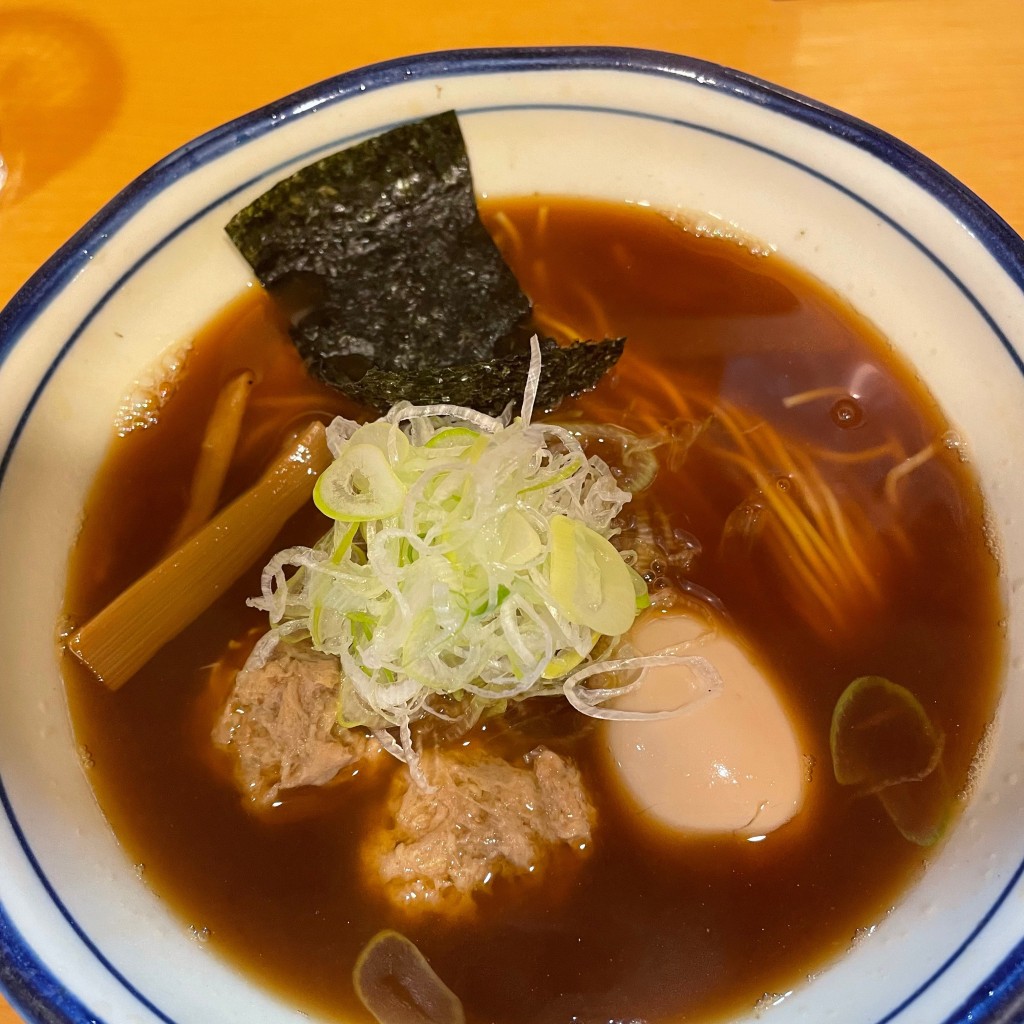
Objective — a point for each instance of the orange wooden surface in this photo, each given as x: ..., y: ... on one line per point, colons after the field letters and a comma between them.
x: 92, y: 93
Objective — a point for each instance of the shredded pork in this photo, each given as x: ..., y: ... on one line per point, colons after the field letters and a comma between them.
x: 478, y: 816
x: 481, y: 817
x: 279, y: 723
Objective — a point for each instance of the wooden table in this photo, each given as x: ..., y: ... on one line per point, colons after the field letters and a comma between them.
x: 93, y: 93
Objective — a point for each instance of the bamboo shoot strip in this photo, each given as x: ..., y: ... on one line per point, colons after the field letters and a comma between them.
x: 215, y: 453
x: 157, y: 607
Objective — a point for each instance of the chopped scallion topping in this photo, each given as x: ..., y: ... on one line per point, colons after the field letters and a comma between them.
x: 470, y: 559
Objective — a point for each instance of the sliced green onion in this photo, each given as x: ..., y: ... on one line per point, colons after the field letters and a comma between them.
x: 883, y: 742
x: 589, y: 580
x: 470, y: 559
x: 396, y: 984
x: 881, y: 736
x: 359, y: 485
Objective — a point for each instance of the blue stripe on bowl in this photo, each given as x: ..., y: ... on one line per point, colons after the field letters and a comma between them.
x: 29, y: 985
x: 24, y: 978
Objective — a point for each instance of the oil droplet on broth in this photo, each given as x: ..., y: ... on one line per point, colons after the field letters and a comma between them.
x: 847, y: 413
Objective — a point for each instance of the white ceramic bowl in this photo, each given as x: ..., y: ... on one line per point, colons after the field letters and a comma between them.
x: 81, y: 939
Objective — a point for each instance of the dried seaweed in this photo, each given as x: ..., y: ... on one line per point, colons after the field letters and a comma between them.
x: 490, y: 384
x: 403, y: 292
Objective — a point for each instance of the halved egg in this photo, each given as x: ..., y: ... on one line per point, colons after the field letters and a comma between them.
x: 730, y: 763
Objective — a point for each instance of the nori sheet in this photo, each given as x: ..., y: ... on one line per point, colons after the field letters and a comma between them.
x: 490, y: 384
x: 406, y: 294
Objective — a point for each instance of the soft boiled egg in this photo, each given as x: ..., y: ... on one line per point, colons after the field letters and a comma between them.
x: 730, y: 763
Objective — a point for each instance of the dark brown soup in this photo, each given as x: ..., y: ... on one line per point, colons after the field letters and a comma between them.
x: 794, y: 392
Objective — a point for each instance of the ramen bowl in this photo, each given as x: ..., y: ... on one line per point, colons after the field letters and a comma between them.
x: 908, y: 247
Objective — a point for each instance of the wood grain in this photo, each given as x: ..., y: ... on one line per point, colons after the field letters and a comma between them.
x: 92, y: 94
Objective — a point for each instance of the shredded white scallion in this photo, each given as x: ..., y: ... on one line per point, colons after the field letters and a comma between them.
x: 469, y: 562
x: 589, y: 700
x: 532, y: 381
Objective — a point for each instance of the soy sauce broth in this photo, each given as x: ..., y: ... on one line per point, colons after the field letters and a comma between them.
x: 645, y: 925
